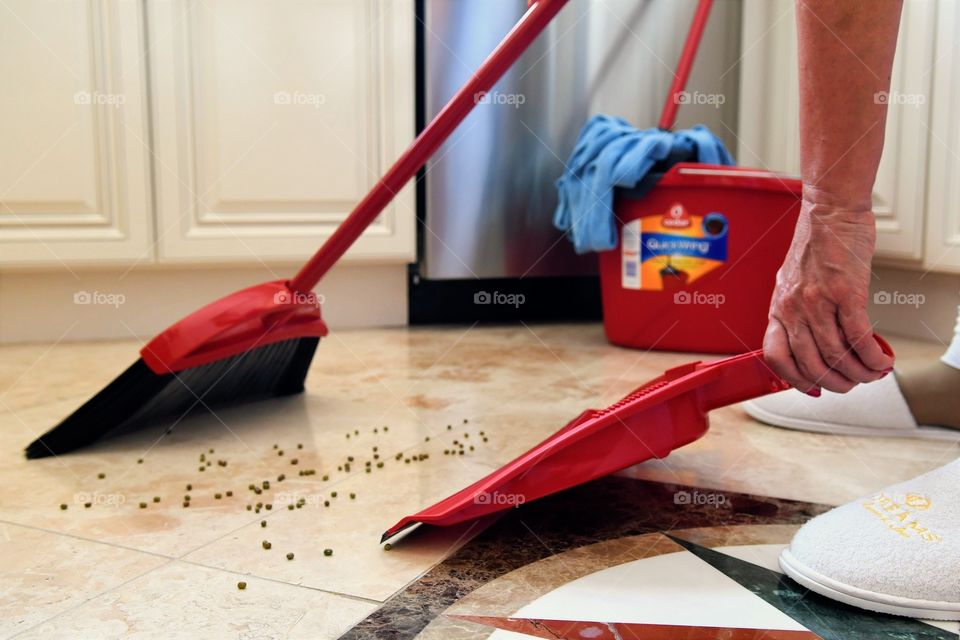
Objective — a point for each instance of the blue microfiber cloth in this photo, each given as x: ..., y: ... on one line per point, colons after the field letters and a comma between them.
x: 611, y: 153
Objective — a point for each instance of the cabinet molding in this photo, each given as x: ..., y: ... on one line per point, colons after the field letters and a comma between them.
x: 74, y: 171
x: 272, y: 121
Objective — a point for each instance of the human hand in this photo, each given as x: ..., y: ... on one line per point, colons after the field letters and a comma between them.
x: 819, y: 334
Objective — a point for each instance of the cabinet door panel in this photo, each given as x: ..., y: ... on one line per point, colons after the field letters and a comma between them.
x: 943, y: 199
x: 274, y: 119
x: 74, y: 160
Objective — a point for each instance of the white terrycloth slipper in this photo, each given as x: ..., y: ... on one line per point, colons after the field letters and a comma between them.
x: 897, y: 551
x: 875, y: 409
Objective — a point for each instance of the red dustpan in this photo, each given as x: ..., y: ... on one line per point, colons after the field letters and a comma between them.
x: 653, y: 420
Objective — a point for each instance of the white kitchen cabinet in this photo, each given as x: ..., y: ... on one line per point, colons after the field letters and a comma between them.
x: 272, y: 120
x: 74, y: 155
x: 769, y: 134
x: 943, y: 200
x: 189, y: 132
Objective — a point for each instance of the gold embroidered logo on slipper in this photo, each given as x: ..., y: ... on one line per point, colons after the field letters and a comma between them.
x: 903, y: 516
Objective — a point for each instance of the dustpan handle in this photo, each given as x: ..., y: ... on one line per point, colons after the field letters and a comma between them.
x: 536, y: 18
x: 668, y: 116
x: 748, y: 376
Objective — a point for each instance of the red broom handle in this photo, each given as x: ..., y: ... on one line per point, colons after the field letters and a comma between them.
x: 669, y: 115
x: 537, y: 17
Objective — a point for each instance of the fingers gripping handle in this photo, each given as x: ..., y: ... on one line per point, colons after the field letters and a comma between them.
x: 748, y: 376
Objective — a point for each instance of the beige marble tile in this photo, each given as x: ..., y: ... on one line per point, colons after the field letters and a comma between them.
x: 182, y: 600
x: 351, y: 529
x: 43, y: 574
x: 516, y: 384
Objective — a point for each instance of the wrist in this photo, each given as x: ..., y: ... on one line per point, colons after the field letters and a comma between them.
x: 838, y: 203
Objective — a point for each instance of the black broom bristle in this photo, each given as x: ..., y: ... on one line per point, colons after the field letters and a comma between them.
x: 139, y: 397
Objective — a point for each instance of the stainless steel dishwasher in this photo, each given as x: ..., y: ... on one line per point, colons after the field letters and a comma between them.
x: 487, y: 196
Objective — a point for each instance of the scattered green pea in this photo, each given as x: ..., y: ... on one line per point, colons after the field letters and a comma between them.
x: 266, y: 484
x: 143, y: 505
x: 268, y: 506
x: 326, y: 503
x: 353, y: 496
x: 328, y: 552
x: 156, y: 498
x: 299, y: 446
x: 185, y: 504
x: 266, y: 545
x: 333, y: 494
x: 63, y: 507
x: 218, y: 495
x: 289, y: 507
x: 263, y: 523
x: 293, y: 461
x: 87, y: 505
x: 229, y: 494
x: 249, y: 507
x: 387, y: 547
x: 281, y: 478
x: 189, y: 487
x: 289, y: 556
x: 241, y: 585
x: 101, y: 475
x: 280, y: 453
x: 380, y: 465
x: 139, y: 460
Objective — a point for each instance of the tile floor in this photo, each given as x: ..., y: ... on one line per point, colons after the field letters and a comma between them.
x: 117, y: 570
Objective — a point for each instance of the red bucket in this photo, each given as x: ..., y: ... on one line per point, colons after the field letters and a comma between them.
x: 697, y: 259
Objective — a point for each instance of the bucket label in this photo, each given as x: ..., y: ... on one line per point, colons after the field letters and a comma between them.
x: 674, y: 248
x: 630, y: 271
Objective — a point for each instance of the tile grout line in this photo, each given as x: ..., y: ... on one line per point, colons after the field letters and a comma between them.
x: 94, y: 597
x: 75, y: 536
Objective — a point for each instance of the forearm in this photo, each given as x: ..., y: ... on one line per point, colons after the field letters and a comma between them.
x: 846, y: 50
